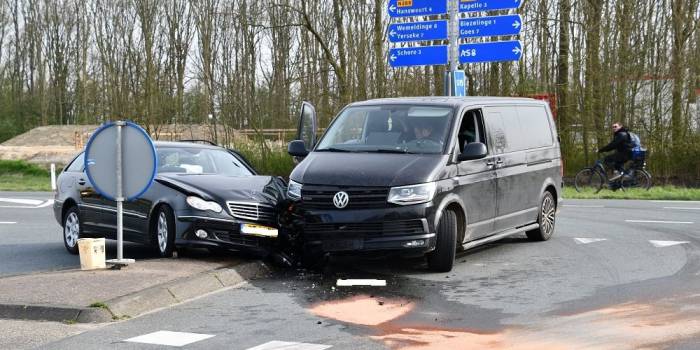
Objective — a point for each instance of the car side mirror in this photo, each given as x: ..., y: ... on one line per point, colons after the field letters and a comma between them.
x: 297, y: 148
x: 475, y: 150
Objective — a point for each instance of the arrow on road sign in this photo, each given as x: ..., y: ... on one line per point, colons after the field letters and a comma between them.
x: 418, y: 56
x: 497, y: 51
x: 417, y: 8
x: 490, y: 26
x: 418, y: 31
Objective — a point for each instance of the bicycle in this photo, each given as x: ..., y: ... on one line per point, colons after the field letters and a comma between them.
x: 592, y: 179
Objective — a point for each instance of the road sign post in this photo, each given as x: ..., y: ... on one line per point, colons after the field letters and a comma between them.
x: 112, y: 149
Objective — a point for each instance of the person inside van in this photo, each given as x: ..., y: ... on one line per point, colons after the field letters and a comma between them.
x: 620, y: 144
x: 424, y: 129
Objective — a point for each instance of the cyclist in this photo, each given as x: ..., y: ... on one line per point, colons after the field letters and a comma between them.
x: 621, y: 145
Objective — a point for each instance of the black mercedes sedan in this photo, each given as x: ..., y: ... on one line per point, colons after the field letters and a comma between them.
x: 203, y: 195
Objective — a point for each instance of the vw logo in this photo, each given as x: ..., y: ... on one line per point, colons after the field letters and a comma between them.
x: 340, y: 200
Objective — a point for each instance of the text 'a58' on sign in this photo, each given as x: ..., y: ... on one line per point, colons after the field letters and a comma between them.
x: 487, y: 5
x: 418, y: 56
x: 418, y: 31
x: 411, y: 8
x: 499, y: 51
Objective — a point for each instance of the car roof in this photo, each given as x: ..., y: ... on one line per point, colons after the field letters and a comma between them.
x: 450, y: 101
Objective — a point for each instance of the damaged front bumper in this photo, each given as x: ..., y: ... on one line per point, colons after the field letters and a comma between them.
x: 202, y: 231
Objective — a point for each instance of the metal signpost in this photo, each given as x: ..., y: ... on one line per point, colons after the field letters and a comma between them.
x: 453, y: 29
x: 120, y: 162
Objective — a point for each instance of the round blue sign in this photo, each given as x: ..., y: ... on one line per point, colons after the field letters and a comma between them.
x: 139, y: 160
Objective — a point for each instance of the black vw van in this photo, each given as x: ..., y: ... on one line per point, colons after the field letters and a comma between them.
x: 427, y: 175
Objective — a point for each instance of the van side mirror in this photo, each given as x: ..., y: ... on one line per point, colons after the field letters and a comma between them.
x: 475, y: 150
x: 297, y: 148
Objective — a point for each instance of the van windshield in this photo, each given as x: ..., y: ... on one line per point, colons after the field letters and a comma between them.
x: 388, y: 129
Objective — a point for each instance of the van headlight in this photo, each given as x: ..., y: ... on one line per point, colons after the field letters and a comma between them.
x: 413, y: 194
x: 201, y: 204
x: 294, y: 190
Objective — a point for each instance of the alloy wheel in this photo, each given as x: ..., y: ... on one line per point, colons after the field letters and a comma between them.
x: 71, y: 229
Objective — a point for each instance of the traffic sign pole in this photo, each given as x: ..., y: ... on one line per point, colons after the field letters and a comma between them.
x: 120, y: 261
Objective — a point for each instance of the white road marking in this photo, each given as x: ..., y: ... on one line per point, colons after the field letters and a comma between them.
x: 662, y: 244
x: 589, y: 240
x: 682, y: 202
x: 583, y: 206
x: 42, y: 204
x: 169, y: 338
x: 22, y: 201
x: 360, y: 282
x: 7, y: 222
x: 659, y: 222
x: 283, y: 345
x: 682, y: 208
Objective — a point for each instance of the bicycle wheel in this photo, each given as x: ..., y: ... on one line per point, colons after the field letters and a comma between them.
x: 639, y: 179
x: 589, y: 181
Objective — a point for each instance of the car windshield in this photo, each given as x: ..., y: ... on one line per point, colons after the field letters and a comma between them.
x: 197, y: 161
x: 388, y: 129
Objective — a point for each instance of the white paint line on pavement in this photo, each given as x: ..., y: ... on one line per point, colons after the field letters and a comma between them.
x: 169, y: 338
x: 22, y: 201
x: 283, y: 345
x: 7, y: 222
x: 681, y: 202
x: 682, y: 208
x: 589, y: 240
x: 42, y: 204
x: 360, y: 282
x: 659, y: 222
x: 583, y: 206
x: 663, y: 244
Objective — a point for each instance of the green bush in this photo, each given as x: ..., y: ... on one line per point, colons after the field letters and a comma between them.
x: 267, y: 158
x: 20, y: 167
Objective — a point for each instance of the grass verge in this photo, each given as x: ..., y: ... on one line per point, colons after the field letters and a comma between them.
x: 654, y: 193
x: 17, y: 175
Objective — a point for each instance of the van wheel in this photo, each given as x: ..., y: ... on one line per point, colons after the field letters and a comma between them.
x: 546, y: 219
x: 72, y: 230
x: 163, y: 231
x: 443, y: 257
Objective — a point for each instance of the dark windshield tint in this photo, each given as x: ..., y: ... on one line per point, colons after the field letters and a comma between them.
x: 184, y: 160
x: 393, y: 128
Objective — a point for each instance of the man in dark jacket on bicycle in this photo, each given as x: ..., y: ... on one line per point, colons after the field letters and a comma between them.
x: 621, y: 145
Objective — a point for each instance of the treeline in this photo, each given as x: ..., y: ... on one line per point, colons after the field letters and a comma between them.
x: 248, y: 64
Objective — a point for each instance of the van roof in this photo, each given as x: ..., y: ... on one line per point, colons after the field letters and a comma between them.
x: 447, y: 100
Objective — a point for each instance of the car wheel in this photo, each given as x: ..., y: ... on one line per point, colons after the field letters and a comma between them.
x: 72, y: 230
x: 546, y: 218
x: 164, y: 231
x: 443, y: 257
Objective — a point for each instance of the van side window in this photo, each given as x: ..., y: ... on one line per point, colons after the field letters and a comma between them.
x: 471, y: 130
x: 77, y: 165
x: 535, y: 124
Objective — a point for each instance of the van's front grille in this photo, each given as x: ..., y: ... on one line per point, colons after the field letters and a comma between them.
x: 251, y: 211
x: 321, y: 197
x: 315, y: 231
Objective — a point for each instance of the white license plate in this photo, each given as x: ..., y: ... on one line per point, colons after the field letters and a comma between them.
x: 258, y: 230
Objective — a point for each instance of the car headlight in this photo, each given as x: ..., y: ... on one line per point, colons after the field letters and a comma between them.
x: 201, y: 204
x: 413, y: 194
x: 294, y: 190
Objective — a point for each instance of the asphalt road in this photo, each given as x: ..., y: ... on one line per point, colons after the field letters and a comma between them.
x: 31, y: 238
x: 616, y: 275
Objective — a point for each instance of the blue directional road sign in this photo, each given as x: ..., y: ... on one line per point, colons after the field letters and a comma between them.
x: 418, y: 56
x: 490, y: 26
x: 410, y: 8
x: 459, y: 83
x: 418, y: 31
x: 490, y: 52
x: 487, y: 5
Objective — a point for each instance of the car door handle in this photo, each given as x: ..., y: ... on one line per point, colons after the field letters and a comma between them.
x: 81, y: 182
x: 499, y: 161
x: 490, y: 163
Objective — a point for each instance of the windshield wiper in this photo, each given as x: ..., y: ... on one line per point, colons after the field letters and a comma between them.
x: 333, y: 149
x: 384, y: 150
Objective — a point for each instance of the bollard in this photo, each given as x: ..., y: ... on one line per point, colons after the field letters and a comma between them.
x: 53, y: 177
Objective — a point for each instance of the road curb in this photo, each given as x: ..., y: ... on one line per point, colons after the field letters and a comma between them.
x: 149, y: 299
